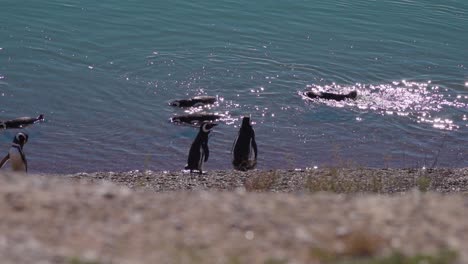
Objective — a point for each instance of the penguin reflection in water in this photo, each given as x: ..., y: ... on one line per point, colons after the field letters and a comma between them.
x: 243, y: 146
x: 199, y: 151
x: 16, y: 154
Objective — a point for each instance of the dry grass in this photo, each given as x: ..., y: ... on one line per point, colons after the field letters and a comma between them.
x: 262, y: 181
x: 336, y: 181
x: 330, y: 183
x: 356, y: 244
x: 76, y: 260
x: 424, y: 183
x: 362, y: 247
x: 362, y: 244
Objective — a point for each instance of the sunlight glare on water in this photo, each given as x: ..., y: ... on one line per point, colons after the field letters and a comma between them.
x: 421, y: 101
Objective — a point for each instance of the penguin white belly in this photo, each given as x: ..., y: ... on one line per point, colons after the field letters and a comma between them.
x: 16, y: 160
x: 200, y: 162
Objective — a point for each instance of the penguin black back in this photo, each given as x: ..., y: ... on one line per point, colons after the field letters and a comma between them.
x: 195, y: 118
x: 194, y: 101
x: 199, y: 151
x: 243, y: 147
x: 20, y: 122
x: 331, y: 96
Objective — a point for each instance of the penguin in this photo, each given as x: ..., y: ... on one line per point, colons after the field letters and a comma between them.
x: 194, y: 101
x: 243, y: 147
x: 16, y: 155
x: 195, y: 118
x: 199, y: 151
x: 20, y: 122
x: 331, y: 96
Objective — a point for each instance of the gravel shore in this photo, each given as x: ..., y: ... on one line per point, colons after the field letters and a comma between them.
x: 233, y: 217
x: 335, y: 180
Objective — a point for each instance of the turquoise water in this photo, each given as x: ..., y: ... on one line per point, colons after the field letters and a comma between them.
x: 103, y: 71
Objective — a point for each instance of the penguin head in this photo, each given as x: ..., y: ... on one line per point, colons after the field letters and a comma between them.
x: 311, y: 94
x: 175, y: 103
x: 40, y: 117
x: 21, y: 138
x: 246, y: 121
x: 353, y: 94
x: 206, y: 127
x: 176, y: 119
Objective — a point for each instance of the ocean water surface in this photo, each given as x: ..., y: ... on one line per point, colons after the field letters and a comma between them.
x: 103, y: 73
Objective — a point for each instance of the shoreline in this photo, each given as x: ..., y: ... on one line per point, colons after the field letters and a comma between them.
x: 332, y: 216
x: 336, y: 180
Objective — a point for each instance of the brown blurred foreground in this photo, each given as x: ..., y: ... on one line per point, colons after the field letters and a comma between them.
x: 231, y: 217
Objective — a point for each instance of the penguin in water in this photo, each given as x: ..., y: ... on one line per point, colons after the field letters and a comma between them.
x: 195, y: 118
x: 331, y: 96
x: 194, y: 101
x: 20, y: 122
x: 199, y: 151
x: 16, y: 155
x: 243, y: 147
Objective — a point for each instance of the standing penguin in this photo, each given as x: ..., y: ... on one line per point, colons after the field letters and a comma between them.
x: 199, y: 151
x: 16, y: 154
x: 243, y: 146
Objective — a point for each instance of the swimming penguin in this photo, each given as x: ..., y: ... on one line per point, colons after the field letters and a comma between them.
x: 20, y: 122
x: 195, y: 118
x: 331, y: 96
x: 194, y: 101
x: 243, y: 146
x: 16, y: 155
x: 199, y: 151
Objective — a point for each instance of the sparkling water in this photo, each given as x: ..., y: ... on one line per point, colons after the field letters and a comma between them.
x: 103, y: 73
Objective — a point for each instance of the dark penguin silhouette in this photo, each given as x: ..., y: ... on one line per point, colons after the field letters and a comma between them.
x: 331, y: 96
x: 20, y: 122
x: 243, y: 147
x: 195, y: 118
x: 16, y: 155
x: 199, y: 151
x: 194, y: 101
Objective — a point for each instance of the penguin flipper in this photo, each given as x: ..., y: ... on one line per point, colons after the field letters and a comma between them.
x: 4, y: 160
x: 254, y: 144
x: 25, y: 163
x: 206, y: 150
